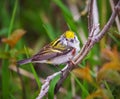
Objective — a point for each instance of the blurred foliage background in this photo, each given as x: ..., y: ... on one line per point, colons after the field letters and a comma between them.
x: 27, y: 25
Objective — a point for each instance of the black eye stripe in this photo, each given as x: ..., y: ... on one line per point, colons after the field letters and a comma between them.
x: 72, y: 40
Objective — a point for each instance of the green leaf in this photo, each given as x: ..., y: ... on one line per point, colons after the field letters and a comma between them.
x: 83, y: 88
x: 33, y: 70
x: 5, y: 63
x: 52, y: 87
x: 114, y: 38
x: 63, y: 8
x: 109, y: 91
x: 50, y: 31
x: 4, y: 55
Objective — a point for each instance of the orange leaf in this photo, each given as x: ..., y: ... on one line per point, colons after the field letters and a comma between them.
x: 83, y: 73
x: 14, y: 38
x: 114, y: 63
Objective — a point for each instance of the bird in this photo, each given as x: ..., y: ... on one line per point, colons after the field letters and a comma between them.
x: 60, y: 51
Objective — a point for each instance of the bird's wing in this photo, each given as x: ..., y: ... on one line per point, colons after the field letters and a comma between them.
x: 48, y: 53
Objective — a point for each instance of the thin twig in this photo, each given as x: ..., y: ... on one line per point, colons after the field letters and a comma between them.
x: 95, y: 17
x: 109, y: 23
x: 73, y: 86
x: 22, y: 72
x: 90, y: 20
x: 116, y: 19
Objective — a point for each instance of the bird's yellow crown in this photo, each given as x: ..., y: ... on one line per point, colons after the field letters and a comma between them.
x: 69, y: 34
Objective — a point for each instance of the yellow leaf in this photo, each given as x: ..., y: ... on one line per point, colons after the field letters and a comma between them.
x: 113, y: 64
x: 112, y: 55
x: 14, y: 38
x: 83, y: 73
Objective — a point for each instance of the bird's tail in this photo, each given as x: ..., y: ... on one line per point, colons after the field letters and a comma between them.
x: 25, y: 61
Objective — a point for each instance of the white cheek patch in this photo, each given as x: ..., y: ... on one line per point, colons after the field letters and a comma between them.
x: 64, y: 42
x: 75, y: 44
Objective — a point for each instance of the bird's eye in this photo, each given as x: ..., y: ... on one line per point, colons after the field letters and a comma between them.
x: 66, y: 39
x: 72, y: 40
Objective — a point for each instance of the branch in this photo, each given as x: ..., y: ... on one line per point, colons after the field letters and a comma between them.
x: 93, y: 18
x: 117, y: 18
x: 109, y: 23
x: 90, y: 20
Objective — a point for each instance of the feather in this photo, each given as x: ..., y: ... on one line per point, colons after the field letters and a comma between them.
x: 25, y: 61
x: 48, y: 54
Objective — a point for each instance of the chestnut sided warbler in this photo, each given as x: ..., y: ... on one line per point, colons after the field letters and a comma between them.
x: 60, y: 51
